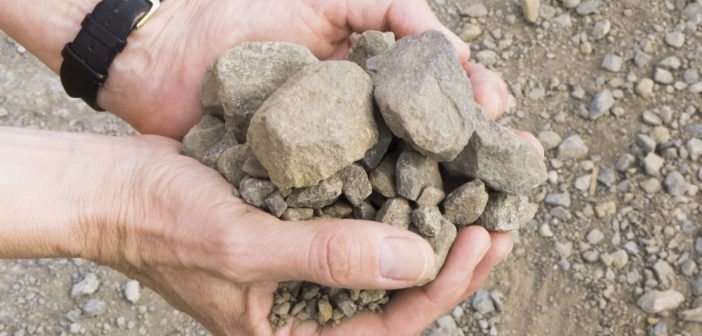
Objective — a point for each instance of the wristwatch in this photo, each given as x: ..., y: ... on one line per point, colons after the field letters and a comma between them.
x: 103, y: 35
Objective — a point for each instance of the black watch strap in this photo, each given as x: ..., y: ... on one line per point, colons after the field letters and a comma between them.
x: 103, y: 35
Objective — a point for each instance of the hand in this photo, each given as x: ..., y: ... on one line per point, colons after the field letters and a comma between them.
x: 180, y: 231
x: 155, y: 83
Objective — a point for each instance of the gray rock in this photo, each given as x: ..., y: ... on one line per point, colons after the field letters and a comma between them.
x: 87, y: 286
x: 549, y: 139
x: 659, y: 329
x: 612, y: 63
x: 571, y: 3
x: 414, y: 172
x: 357, y: 186
x: 587, y: 7
x: 441, y: 244
x: 595, y: 236
x: 427, y: 220
x: 645, y: 142
x: 663, y: 76
x: 132, y: 291
x: 601, y: 29
x: 600, y: 104
x: 694, y: 148
x: 212, y: 155
x: 675, y: 184
x: 573, y: 147
x: 464, y: 205
x: 437, y: 123
x: 475, y: 10
x: 653, y: 164
x: 482, y: 302
x: 671, y: 63
x: 501, y: 159
x: 209, y: 96
x: 254, y: 168
x: 231, y: 163
x: 276, y: 204
x: 365, y: 211
x: 675, y: 39
x: 375, y: 154
x: 558, y: 199
x: 691, y: 315
x: 656, y: 301
x: 505, y: 212
x: 664, y: 273
x: 317, y: 123
x: 625, y: 162
x: 317, y: 197
x: 249, y: 74
x: 94, y: 308
x: 396, y: 212
x: 203, y: 136
x: 370, y: 44
x: 382, y: 178
x: 340, y: 209
x: 694, y: 130
x: 345, y: 304
x: 431, y: 196
x: 255, y: 191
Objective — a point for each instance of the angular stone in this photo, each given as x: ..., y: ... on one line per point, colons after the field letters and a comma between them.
x: 396, y: 212
x: 339, y: 209
x: 132, y: 291
x: 427, y: 220
x: 325, y: 311
x: 464, y: 205
x: 253, y: 168
x: 255, y: 191
x: 675, y: 184
x: 203, y: 136
x: 297, y: 214
x: 612, y: 62
x: 317, y: 197
x: 249, y: 74
x: 506, y: 212
x: 87, y: 286
x: 231, y: 163
x: 573, y: 147
x: 414, y: 172
x: 691, y: 315
x: 375, y: 154
x: 94, y: 308
x: 652, y: 164
x: 431, y: 196
x: 441, y: 244
x: 694, y: 148
x: 344, y: 303
x: 382, y: 178
x: 501, y: 159
x: 600, y: 104
x: 209, y: 96
x: 317, y: 123
x: 370, y: 44
x: 213, y: 154
x: 530, y: 9
x: 694, y: 130
x: 276, y: 205
x: 656, y: 301
x: 365, y: 211
x: 549, y: 139
x: 437, y: 122
x: 357, y: 186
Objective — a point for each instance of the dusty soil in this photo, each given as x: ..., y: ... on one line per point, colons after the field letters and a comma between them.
x: 543, y: 288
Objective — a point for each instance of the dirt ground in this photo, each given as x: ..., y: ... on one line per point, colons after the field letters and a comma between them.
x: 578, y: 269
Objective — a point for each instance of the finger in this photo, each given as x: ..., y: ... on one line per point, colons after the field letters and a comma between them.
x: 339, y: 253
x: 403, y: 17
x: 489, y: 89
x: 533, y: 141
x: 411, y: 310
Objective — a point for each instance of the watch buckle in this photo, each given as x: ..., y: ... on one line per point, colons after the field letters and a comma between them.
x: 154, y: 6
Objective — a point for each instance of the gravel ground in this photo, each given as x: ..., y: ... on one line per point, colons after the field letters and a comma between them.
x: 612, y: 88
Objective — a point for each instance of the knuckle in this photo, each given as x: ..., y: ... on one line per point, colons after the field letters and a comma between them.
x: 340, y: 258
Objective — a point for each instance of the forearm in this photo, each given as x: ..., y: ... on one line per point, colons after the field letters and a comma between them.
x: 58, y: 192
x: 44, y: 26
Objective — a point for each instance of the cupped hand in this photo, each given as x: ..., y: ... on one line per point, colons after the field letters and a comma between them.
x: 155, y: 83
x: 182, y: 232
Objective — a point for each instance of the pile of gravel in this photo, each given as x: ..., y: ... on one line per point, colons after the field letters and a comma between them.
x: 391, y: 135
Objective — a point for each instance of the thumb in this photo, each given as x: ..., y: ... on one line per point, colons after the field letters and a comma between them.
x: 348, y: 254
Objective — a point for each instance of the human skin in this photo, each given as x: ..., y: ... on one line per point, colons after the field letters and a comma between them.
x: 138, y: 206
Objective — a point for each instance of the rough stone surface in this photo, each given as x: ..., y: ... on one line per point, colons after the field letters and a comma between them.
x: 415, y: 172
x: 301, y: 138
x: 209, y: 98
x: 530, y: 9
x: 318, y: 196
x: 505, y: 212
x: 500, y: 158
x: 601, y: 104
x: 249, y: 74
x: 427, y: 220
x: 436, y: 122
x: 375, y: 154
x: 231, y: 163
x: 87, y: 286
x: 357, y: 186
x: 464, y: 205
x: 441, y: 244
x: 656, y: 301
x: 203, y: 136
x: 370, y: 44
x: 255, y: 191
x: 382, y: 178
x: 396, y: 212
x: 431, y: 196
x: 573, y: 147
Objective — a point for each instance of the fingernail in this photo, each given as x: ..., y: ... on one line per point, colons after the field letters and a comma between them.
x: 405, y: 259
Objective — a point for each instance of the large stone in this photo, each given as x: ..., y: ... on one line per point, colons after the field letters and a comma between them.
x: 203, y: 136
x: 319, y: 122
x: 231, y: 163
x: 317, y: 197
x: 656, y: 301
x: 424, y: 95
x: 414, y: 172
x: 441, y: 244
x: 501, y: 159
x: 396, y: 212
x: 370, y: 44
x: 506, y: 212
x: 249, y: 73
x: 357, y: 187
x: 464, y: 205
